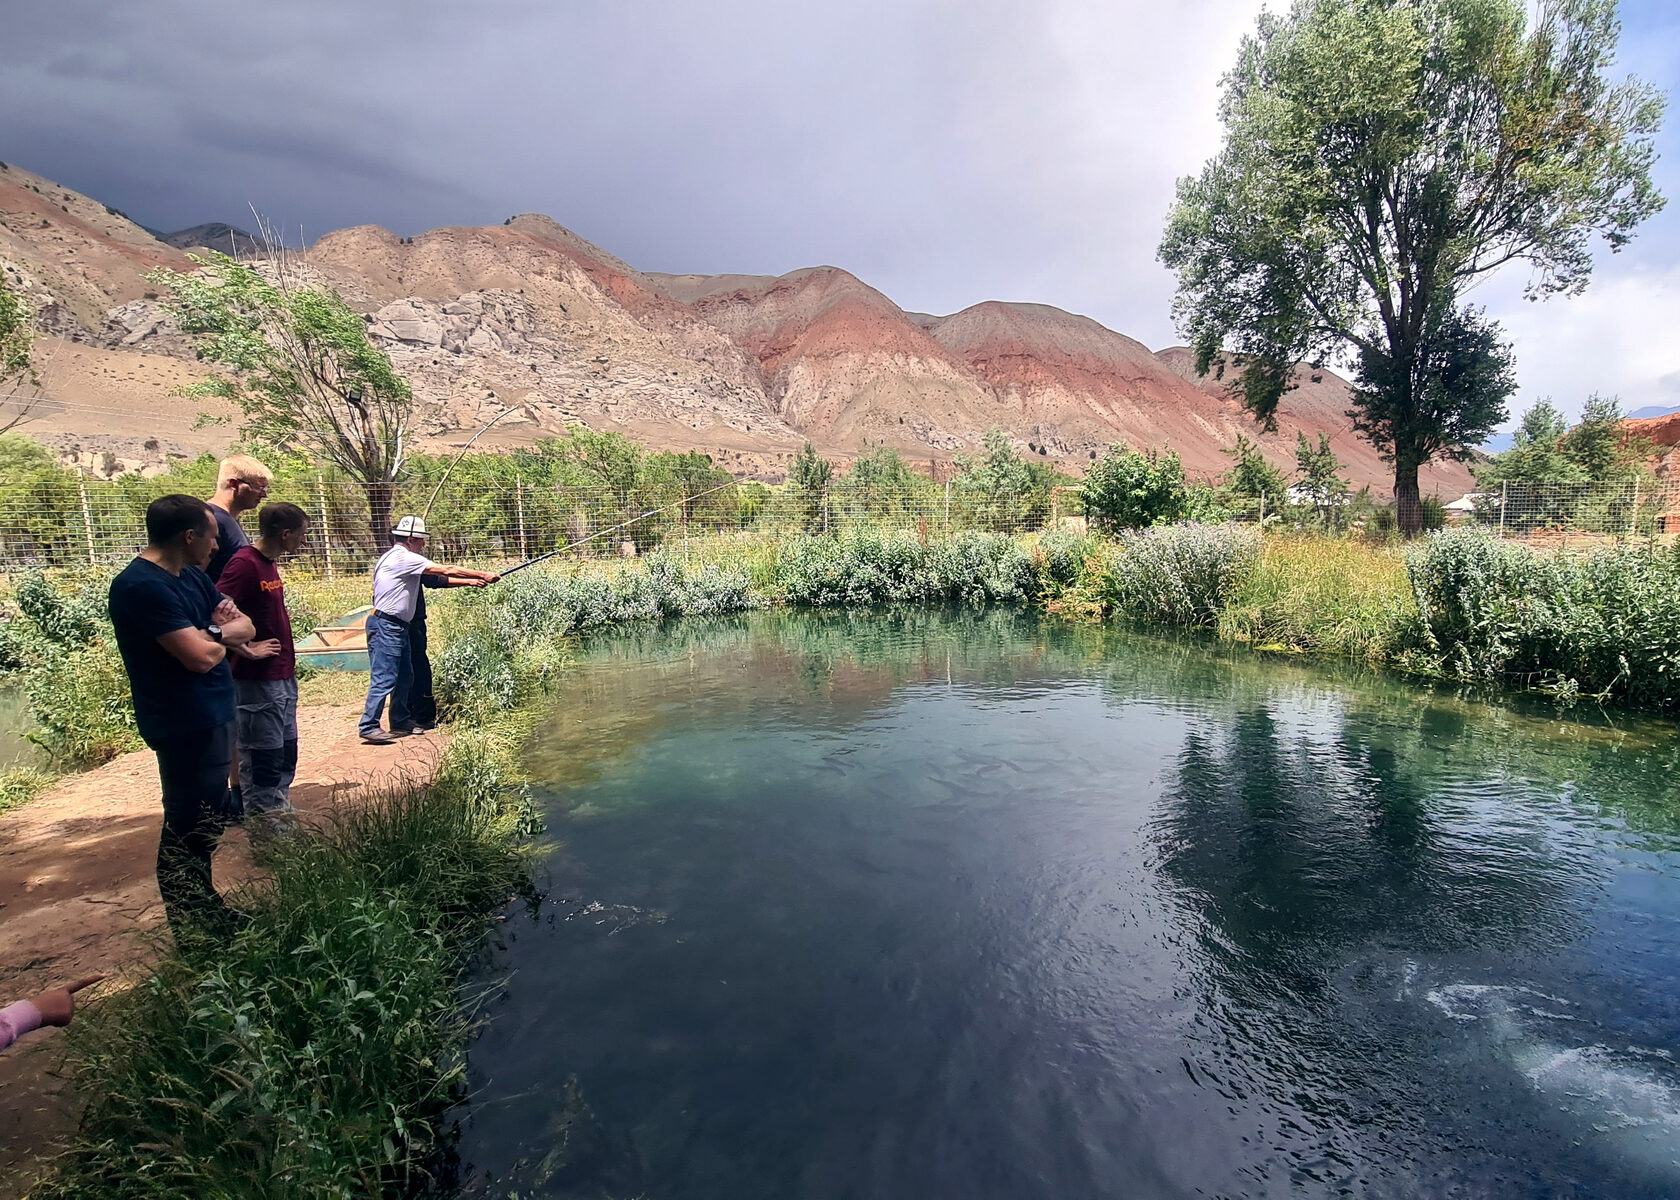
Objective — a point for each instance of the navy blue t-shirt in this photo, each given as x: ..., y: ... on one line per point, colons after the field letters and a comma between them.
x: 147, y: 602
x: 230, y: 537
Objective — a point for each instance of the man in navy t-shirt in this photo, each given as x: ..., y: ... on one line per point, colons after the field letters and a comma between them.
x: 173, y: 631
x: 241, y: 484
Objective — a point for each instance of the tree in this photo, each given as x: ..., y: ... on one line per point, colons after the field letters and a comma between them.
x: 1536, y: 453
x: 1321, y: 477
x: 881, y: 484
x: 1380, y: 157
x: 1126, y: 489
x: 17, y: 367
x: 1601, y: 448
x: 1253, y: 480
x: 300, y: 367
x: 808, y: 479
x: 997, y: 485
x: 706, y: 490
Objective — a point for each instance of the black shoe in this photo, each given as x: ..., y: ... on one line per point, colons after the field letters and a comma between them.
x: 404, y: 730
x: 379, y: 737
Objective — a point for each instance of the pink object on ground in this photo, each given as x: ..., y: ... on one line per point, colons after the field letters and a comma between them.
x: 16, y: 1020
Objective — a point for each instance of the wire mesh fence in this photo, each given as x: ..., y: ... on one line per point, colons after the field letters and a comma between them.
x: 62, y: 519
x: 1633, y: 508
x: 69, y: 521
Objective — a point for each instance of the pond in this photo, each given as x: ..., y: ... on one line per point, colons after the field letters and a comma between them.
x: 982, y: 905
x: 16, y: 750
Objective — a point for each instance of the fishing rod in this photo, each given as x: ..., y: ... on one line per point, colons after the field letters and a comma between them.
x: 531, y: 562
x: 461, y: 455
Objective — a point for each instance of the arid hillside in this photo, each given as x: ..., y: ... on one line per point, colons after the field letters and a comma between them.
x: 1664, y: 435
x: 742, y: 367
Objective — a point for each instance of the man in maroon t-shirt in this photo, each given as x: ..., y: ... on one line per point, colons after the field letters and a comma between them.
x: 265, y: 675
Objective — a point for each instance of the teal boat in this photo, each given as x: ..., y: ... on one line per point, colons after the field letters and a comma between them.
x: 340, y: 645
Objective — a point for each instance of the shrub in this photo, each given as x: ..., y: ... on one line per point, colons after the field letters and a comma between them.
x: 1125, y: 489
x: 1178, y: 574
x: 70, y: 619
x: 62, y: 647
x: 81, y: 704
x: 1061, y: 554
x: 1605, y: 622
x: 501, y: 645
x: 867, y: 567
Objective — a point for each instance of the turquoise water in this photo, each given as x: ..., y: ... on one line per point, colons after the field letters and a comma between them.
x: 944, y: 905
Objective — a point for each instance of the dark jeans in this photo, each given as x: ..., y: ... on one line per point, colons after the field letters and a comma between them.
x: 193, y: 769
x: 391, y: 670
x: 422, y: 705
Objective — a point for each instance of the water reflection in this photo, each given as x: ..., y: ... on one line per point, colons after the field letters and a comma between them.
x: 962, y: 904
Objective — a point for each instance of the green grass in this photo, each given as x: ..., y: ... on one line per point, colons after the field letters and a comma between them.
x: 319, y: 1052
x: 1321, y: 595
x: 20, y: 785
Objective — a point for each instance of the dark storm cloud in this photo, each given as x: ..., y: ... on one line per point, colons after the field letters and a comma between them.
x: 947, y: 152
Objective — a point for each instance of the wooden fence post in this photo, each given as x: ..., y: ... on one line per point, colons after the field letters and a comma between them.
x: 87, y: 518
x: 519, y: 511
x: 326, y: 522
x: 1504, y: 502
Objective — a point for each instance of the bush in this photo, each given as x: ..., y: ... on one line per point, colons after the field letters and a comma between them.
x: 62, y: 648
x: 1178, y: 574
x: 1060, y: 557
x: 1605, y: 622
x: 502, y: 645
x: 83, y: 711
x: 866, y: 567
x: 1125, y: 489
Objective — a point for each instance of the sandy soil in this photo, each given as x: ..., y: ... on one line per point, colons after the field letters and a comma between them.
x: 78, y: 892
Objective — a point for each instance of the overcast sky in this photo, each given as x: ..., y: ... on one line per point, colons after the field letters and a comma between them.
x: 945, y: 152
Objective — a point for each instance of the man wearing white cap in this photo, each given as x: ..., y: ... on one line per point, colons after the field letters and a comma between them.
x: 396, y: 590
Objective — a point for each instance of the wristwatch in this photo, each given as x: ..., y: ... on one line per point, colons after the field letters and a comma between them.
x: 214, y: 630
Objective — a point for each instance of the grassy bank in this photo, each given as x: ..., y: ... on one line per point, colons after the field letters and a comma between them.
x: 1459, y: 604
x: 318, y: 1053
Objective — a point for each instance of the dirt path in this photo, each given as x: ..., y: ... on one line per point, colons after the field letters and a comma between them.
x: 78, y: 891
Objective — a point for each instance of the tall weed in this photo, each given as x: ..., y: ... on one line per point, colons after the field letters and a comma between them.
x: 318, y: 1053
x: 1605, y: 622
x: 1320, y: 594
x: 1177, y: 574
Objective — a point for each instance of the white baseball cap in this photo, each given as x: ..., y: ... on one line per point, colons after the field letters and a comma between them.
x: 410, y: 527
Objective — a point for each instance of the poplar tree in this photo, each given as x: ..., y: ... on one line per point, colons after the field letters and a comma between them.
x: 1380, y: 157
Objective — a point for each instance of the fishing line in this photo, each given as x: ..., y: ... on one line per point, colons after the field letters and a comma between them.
x: 612, y: 528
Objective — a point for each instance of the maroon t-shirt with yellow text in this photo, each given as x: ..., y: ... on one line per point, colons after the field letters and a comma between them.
x: 252, y: 581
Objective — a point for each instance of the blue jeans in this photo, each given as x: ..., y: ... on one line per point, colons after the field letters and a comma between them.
x: 393, y: 672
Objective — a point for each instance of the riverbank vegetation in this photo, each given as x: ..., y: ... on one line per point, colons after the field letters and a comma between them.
x: 324, y: 1045
x: 318, y: 1052
x: 1462, y: 604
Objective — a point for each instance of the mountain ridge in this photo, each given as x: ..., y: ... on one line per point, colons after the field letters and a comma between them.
x: 745, y: 367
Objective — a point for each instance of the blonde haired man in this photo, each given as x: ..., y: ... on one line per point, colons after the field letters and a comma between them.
x: 241, y: 485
